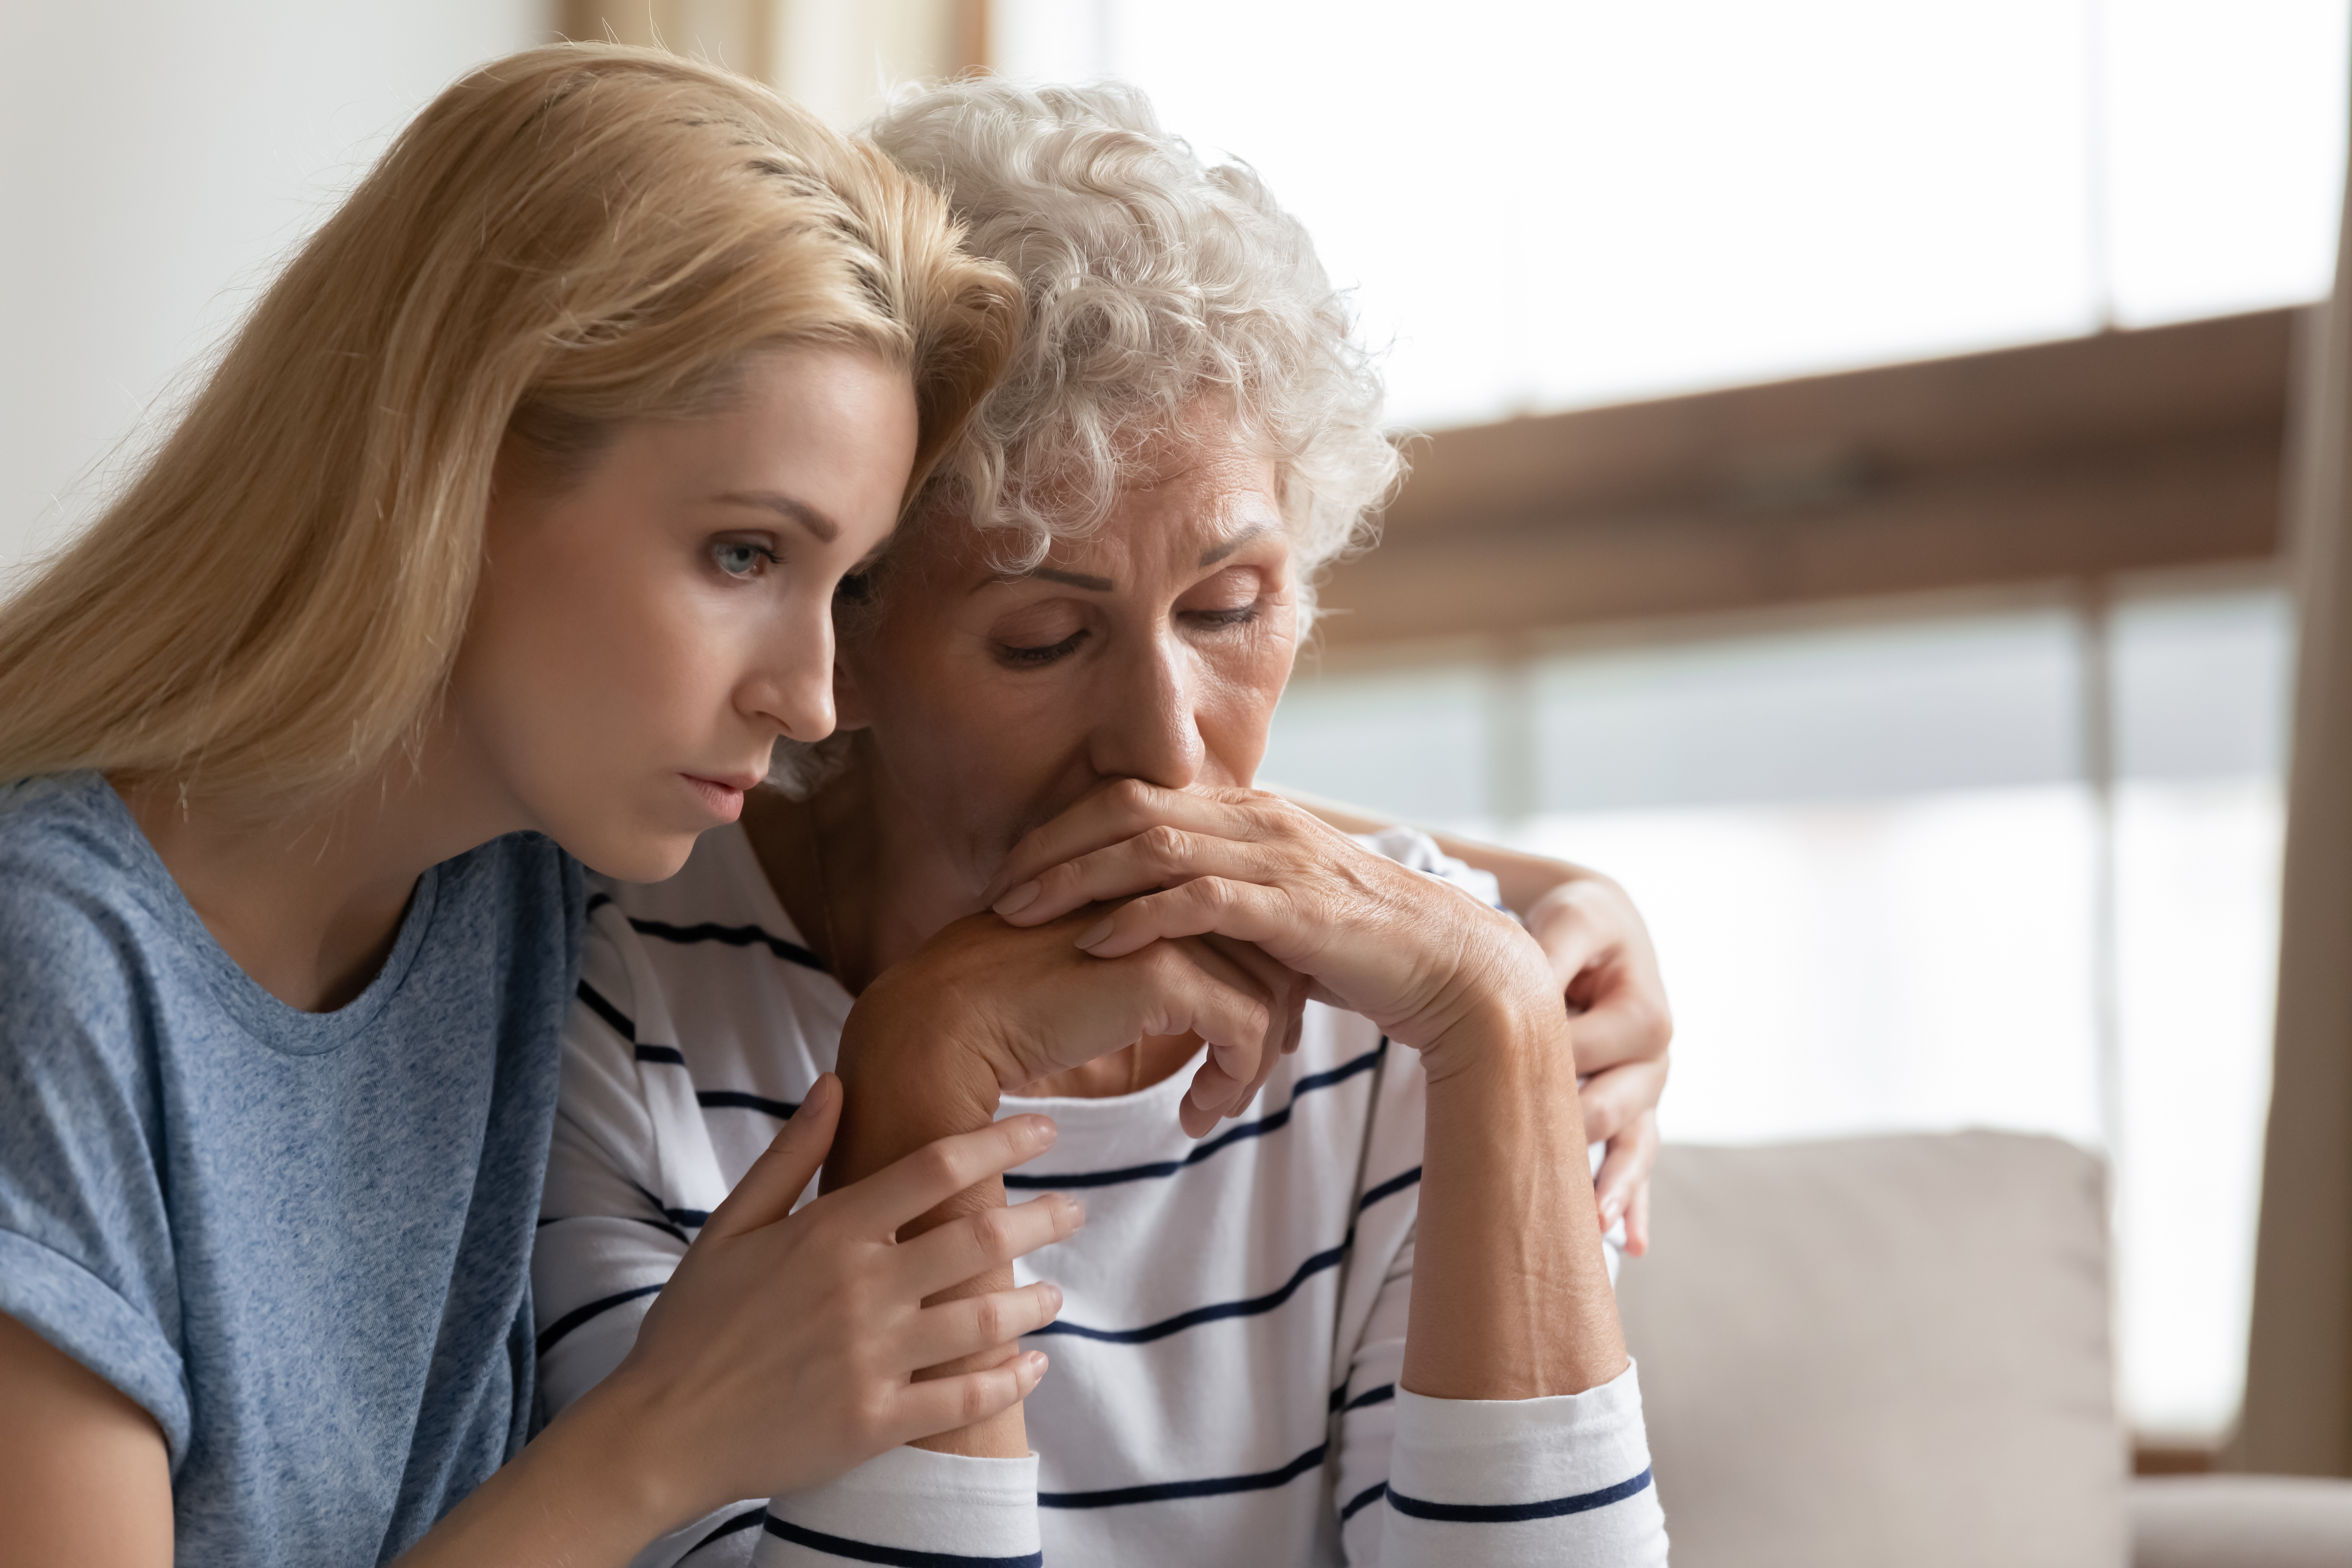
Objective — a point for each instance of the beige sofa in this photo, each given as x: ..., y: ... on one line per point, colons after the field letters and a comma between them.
x: 1895, y: 1351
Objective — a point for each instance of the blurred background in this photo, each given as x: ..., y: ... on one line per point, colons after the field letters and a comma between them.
x: 1848, y: 514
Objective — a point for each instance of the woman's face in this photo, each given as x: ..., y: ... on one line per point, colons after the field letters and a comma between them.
x: 1154, y: 649
x: 641, y: 639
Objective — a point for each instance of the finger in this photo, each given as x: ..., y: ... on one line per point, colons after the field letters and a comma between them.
x: 1625, y: 1169
x: 1243, y: 910
x: 970, y: 1324
x: 778, y: 1178
x: 1160, y: 856
x: 1129, y: 807
x: 1637, y: 1221
x: 917, y: 1184
x: 1613, y: 1100
x: 939, y: 1404
x: 1625, y: 1024
x: 1569, y: 935
x: 1188, y: 988
x: 952, y: 1253
x: 1286, y: 990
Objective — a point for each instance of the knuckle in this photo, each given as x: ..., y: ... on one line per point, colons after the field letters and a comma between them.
x: 940, y: 1163
x: 1165, y: 847
x: 992, y: 1231
x: 987, y: 1319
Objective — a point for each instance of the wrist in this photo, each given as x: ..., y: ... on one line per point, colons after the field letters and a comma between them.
x: 909, y: 1075
x: 1507, y: 1015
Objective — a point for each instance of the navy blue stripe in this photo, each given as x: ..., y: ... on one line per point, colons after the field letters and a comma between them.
x: 1517, y: 1512
x: 691, y: 1218
x: 663, y: 1225
x: 622, y: 1024
x: 1363, y: 1500
x: 896, y: 1556
x: 1389, y: 1188
x: 669, y: 1054
x: 597, y: 901
x: 1216, y: 1486
x: 748, y: 1520
x: 1273, y: 1120
x: 735, y: 1099
x: 1198, y: 1315
x: 1379, y: 1395
x: 579, y: 1315
x: 733, y: 936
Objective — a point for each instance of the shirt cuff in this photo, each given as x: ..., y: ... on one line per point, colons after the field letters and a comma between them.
x: 1513, y: 1461
x: 81, y: 1315
x: 911, y: 1504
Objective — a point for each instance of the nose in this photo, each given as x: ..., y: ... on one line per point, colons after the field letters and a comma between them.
x: 1146, y: 725
x: 790, y: 682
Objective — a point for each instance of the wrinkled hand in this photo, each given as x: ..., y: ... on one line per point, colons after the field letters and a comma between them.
x: 1013, y: 1005
x: 783, y: 1352
x: 1607, y: 969
x: 1411, y: 955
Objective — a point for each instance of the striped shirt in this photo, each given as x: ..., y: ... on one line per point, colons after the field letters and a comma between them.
x: 1224, y: 1369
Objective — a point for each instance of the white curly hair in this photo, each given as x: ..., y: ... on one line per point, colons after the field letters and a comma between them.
x: 1151, y: 280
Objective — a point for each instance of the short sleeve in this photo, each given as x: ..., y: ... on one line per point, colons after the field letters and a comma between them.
x: 85, y: 1255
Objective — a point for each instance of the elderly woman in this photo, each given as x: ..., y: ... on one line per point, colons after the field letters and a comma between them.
x: 1370, y: 1320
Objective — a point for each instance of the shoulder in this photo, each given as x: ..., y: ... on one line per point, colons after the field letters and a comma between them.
x: 1417, y: 851
x: 83, y: 907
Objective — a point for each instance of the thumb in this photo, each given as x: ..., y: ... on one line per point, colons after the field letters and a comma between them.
x: 765, y: 1194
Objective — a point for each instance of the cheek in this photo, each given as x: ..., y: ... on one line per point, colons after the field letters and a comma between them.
x: 1235, y: 708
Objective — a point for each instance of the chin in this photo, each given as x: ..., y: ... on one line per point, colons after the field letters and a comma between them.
x: 631, y: 852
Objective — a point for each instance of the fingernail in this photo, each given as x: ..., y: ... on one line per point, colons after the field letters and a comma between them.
x: 1077, y: 1212
x: 1095, y: 934
x: 1019, y: 898
x: 1044, y: 1129
x: 1039, y: 1364
x: 1054, y: 1298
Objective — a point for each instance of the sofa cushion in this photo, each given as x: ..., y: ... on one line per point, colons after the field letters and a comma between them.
x: 2241, y: 1521
x: 1881, y: 1350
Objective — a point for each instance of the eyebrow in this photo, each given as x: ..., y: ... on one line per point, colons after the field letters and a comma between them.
x: 1218, y: 552
x: 1209, y: 557
x: 785, y: 507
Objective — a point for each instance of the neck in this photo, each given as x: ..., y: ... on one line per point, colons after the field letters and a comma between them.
x: 309, y: 903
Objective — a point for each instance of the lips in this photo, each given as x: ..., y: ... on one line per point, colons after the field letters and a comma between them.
x: 723, y: 796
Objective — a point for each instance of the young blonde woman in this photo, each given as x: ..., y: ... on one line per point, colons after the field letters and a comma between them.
x: 504, y: 533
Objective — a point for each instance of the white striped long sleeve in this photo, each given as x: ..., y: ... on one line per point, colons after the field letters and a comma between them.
x: 1223, y: 1382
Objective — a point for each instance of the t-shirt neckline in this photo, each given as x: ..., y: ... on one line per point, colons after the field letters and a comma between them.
x: 271, y: 1021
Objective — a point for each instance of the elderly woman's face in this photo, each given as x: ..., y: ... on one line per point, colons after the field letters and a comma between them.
x: 1155, y: 649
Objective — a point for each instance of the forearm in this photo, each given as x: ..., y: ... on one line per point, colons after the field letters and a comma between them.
x: 904, y: 1085
x: 1511, y: 1296
x: 588, y: 1490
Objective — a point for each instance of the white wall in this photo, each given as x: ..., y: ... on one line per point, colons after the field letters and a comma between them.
x: 157, y: 160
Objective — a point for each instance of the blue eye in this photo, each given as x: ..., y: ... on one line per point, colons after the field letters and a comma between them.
x: 739, y: 558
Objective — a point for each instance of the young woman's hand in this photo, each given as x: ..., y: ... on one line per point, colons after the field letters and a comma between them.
x: 784, y: 1350
x: 1605, y: 966
x: 1415, y: 956
x: 1006, y: 1007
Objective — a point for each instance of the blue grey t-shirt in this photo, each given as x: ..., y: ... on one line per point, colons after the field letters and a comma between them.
x: 301, y: 1241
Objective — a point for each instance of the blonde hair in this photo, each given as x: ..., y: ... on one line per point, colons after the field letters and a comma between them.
x: 567, y: 238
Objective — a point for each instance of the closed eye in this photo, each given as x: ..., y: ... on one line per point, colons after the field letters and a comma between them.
x: 1036, y: 657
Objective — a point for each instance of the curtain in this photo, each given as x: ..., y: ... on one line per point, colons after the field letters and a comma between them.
x: 2297, y: 1417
